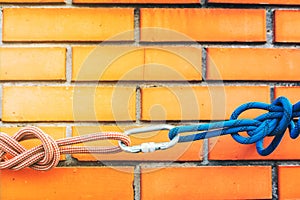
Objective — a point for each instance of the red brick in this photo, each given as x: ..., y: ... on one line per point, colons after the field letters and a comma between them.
x: 253, y: 64
x: 199, y: 102
x: 229, y: 25
x: 287, y: 30
x: 67, y: 24
x: 54, y: 103
x: 288, y: 181
x: 180, y: 152
x: 32, y: 63
x: 67, y: 183
x: 207, y: 183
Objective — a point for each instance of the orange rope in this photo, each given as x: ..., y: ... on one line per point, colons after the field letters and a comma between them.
x: 47, y: 155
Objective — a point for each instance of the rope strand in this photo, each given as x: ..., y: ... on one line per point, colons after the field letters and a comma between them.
x: 47, y: 155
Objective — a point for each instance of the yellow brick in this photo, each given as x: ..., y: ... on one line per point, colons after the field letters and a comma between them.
x: 107, y: 63
x: 67, y: 24
x: 199, y: 102
x: 34, y: 103
x: 32, y: 63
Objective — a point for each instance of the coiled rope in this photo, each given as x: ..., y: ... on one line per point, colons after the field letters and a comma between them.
x: 47, y: 155
x: 275, y: 122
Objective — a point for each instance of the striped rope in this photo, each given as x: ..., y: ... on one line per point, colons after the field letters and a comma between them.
x: 47, y: 155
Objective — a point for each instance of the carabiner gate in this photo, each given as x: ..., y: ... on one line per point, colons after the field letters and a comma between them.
x: 149, y: 146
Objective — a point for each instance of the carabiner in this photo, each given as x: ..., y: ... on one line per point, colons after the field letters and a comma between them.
x: 149, y: 146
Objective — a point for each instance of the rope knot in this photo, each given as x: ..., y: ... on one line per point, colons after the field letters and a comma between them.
x: 273, y: 123
x: 42, y: 157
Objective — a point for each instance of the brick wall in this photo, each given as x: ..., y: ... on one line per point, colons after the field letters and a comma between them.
x: 82, y: 66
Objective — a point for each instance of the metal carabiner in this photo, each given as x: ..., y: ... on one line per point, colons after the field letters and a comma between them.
x: 149, y: 146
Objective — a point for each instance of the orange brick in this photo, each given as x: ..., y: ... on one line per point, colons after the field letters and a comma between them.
x: 32, y: 63
x: 235, y: 25
x: 173, y: 63
x: 290, y: 92
x: 136, y: 63
x: 253, y: 64
x: 288, y: 180
x: 207, y: 183
x: 138, y: 1
x: 180, y: 152
x: 42, y: 103
x: 54, y: 132
x: 279, y: 2
x: 118, y: 63
x: 32, y: 1
x: 67, y: 24
x: 287, y: 30
x: 226, y: 148
x: 68, y: 183
x: 199, y: 102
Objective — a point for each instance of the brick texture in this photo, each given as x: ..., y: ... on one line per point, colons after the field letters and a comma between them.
x: 226, y: 148
x: 135, y: 63
x: 289, y: 92
x: 67, y: 24
x: 253, y: 64
x: 207, y: 182
x: 231, y: 25
x: 260, y: 2
x: 287, y: 30
x: 139, y: 1
x: 194, y: 103
x: 66, y: 104
x: 288, y: 179
x: 66, y: 183
x: 32, y: 63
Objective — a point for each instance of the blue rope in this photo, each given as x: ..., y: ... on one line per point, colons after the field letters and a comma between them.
x: 275, y: 122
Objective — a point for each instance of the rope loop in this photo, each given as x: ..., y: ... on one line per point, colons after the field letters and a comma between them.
x: 47, y: 155
x: 42, y: 157
x: 275, y: 122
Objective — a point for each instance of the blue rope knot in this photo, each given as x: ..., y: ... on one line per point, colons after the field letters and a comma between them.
x: 280, y: 117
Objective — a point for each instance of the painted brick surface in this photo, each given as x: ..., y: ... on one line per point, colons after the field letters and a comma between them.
x: 260, y: 2
x: 287, y: 30
x: 74, y: 183
x: 67, y: 24
x: 288, y: 178
x: 231, y: 25
x: 32, y: 63
x: 253, y: 64
x: 194, y: 103
x: 139, y: 1
x: 136, y: 63
x: 65, y: 103
x: 219, y: 183
x: 85, y: 66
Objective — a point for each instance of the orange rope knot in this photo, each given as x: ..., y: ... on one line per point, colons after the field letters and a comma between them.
x: 47, y: 155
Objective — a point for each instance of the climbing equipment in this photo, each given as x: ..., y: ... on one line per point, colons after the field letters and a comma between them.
x: 47, y: 155
x: 274, y: 123
x: 150, y: 146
